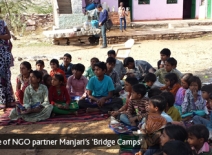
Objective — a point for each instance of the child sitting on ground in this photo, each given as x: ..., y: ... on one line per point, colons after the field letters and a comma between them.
x: 119, y: 67
x: 76, y: 83
x: 22, y: 81
x: 169, y: 68
x: 137, y: 68
x: 128, y: 84
x: 89, y: 73
x: 110, y: 63
x: 170, y: 109
x: 58, y: 96
x: 39, y: 67
x: 150, y: 80
x: 66, y: 65
x: 172, y: 83
x: 47, y: 81
x: 164, y: 55
x: 54, y: 63
x: 198, y: 140
x: 193, y: 96
x: 207, y: 95
x: 181, y: 91
x: 137, y: 107
x: 100, y: 91
x: 153, y: 122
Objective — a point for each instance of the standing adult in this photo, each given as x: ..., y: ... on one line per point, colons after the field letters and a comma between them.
x: 6, y: 92
x: 103, y: 16
x: 122, y: 15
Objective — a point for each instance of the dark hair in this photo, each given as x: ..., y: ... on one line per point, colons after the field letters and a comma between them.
x: 73, y: 67
x: 210, y: 96
x: 197, y: 80
x: 59, y: 77
x: 207, y: 88
x: 111, y: 60
x: 111, y: 52
x: 176, y: 147
x: 154, y: 92
x: 169, y: 98
x: 101, y: 65
x: 186, y: 76
x: 99, y: 6
x: 159, y: 102
x: 172, y: 77
x: 128, y: 60
x: 172, y: 61
x: 199, y: 131
x: 166, y: 52
x: 67, y: 55
x: 38, y: 75
x: 95, y: 59
x: 79, y: 67
x: 150, y: 77
x: 27, y: 65
x: 131, y: 80
x: 54, y: 61
x: 139, y: 89
x: 45, y: 78
x: 176, y: 132
x: 40, y: 62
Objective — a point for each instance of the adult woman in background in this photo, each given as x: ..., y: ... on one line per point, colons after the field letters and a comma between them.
x: 6, y: 92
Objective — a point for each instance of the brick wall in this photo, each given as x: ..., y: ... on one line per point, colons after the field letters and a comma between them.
x: 115, y: 18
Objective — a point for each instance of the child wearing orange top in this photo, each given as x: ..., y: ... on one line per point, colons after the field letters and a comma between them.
x: 172, y: 83
x: 54, y: 63
x: 129, y: 83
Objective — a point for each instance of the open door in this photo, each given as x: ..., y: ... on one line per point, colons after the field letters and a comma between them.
x: 193, y: 9
x: 127, y: 3
x: 209, y: 9
x: 187, y: 9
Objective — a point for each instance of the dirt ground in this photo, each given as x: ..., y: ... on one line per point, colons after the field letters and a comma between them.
x: 193, y: 56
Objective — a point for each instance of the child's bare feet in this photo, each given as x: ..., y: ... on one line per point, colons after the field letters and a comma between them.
x: 88, y: 110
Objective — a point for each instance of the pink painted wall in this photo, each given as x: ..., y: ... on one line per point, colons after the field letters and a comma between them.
x: 157, y: 10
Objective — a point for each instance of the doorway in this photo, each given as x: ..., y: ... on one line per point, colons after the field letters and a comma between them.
x: 127, y: 3
x: 189, y: 9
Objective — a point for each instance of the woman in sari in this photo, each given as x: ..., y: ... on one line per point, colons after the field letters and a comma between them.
x: 6, y: 92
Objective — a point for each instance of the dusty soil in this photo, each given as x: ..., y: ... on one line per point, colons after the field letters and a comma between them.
x: 193, y: 56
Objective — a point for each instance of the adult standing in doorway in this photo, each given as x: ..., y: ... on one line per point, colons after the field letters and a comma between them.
x: 6, y: 92
x: 122, y: 15
x: 103, y: 16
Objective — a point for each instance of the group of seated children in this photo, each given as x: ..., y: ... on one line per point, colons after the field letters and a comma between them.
x: 154, y: 97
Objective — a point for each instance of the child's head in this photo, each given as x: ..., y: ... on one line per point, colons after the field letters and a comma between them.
x: 35, y: 77
x: 54, y: 63
x: 67, y: 59
x: 110, y: 62
x: 197, y: 135
x: 170, y: 64
x: 169, y: 98
x: 138, y: 92
x: 129, y: 83
x: 176, y: 148
x: 173, y: 132
x: 194, y: 83
x: 111, y: 53
x: 57, y: 80
x: 93, y: 61
x: 25, y: 68
x: 157, y: 104
x: 78, y: 70
x: 100, y: 69
x: 165, y: 54
x: 47, y: 80
x: 154, y: 92
x: 206, y: 90
x: 171, y: 79
x: 185, y: 80
x: 150, y: 79
x: 40, y: 65
x: 129, y: 62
